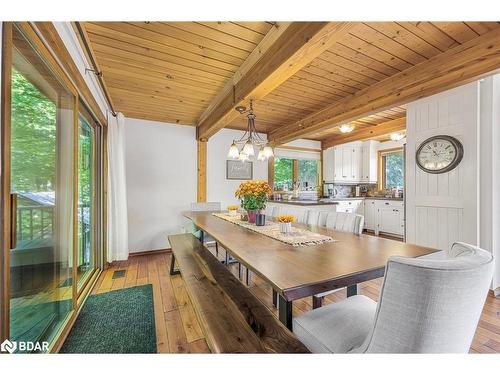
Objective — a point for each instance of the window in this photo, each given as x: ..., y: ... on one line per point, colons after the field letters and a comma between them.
x: 283, y: 173
x: 289, y: 171
x: 392, y: 169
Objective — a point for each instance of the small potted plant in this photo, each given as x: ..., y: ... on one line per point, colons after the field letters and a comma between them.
x: 233, y: 209
x: 253, y: 196
x: 285, y: 222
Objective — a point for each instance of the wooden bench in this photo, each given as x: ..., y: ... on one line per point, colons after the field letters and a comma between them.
x: 232, y: 318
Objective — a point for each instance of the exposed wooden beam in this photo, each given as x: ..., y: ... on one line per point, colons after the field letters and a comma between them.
x: 291, y: 50
x: 366, y: 133
x: 455, y: 67
x: 202, y: 171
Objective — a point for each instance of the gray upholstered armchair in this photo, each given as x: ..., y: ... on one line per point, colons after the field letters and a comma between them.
x: 425, y: 306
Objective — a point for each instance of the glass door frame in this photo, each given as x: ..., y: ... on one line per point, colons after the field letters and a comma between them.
x: 78, y: 297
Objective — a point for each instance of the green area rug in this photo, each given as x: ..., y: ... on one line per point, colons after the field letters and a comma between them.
x: 120, y: 321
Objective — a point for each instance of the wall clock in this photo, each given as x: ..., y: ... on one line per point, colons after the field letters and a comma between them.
x: 439, y: 154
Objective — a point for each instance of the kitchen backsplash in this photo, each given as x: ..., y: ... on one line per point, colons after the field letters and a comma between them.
x: 349, y: 190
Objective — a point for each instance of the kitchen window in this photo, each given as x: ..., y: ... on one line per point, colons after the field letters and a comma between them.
x: 287, y: 172
x: 391, y: 169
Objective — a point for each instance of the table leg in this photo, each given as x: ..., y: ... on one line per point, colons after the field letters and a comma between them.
x: 285, y: 312
x: 317, y: 302
x: 202, y: 236
x: 275, y: 298
x: 352, y: 290
x: 173, y: 270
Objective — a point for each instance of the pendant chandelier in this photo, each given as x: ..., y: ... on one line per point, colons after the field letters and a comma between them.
x: 244, y: 148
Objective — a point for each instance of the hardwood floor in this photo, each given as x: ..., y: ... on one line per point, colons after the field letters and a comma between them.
x: 177, y: 328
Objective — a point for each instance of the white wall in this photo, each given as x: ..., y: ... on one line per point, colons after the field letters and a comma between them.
x: 391, y: 144
x: 161, y: 180
x: 219, y: 189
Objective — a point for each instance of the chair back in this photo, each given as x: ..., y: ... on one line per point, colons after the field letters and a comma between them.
x: 345, y: 222
x: 205, y: 206
x: 429, y: 305
x: 299, y: 213
x: 317, y: 218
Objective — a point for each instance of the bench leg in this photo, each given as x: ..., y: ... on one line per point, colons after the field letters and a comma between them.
x: 173, y: 270
x: 285, y: 312
x: 352, y: 290
x: 317, y: 302
x: 216, y: 249
x: 275, y: 298
x: 248, y: 274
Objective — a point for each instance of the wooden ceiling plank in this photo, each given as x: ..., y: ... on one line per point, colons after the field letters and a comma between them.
x: 431, y: 34
x: 369, y: 49
x: 158, y: 73
x: 366, y: 32
x: 459, y: 31
x: 223, y: 70
x: 213, y: 34
x: 353, y: 65
x: 306, y: 75
x: 482, y: 27
x: 321, y: 91
x: 235, y: 30
x: 296, y: 47
x: 362, y: 59
x: 452, y: 68
x: 145, y: 37
x: 147, y: 61
x: 401, y: 35
x: 338, y: 70
x: 367, y: 133
x: 259, y: 27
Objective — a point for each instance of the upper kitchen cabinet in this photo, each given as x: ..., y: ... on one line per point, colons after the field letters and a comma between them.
x: 354, y: 162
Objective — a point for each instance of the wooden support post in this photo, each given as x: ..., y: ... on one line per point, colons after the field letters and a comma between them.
x: 270, y: 172
x: 202, y: 170
x: 295, y: 172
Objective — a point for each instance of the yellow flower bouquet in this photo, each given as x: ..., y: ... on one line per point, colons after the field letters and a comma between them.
x: 233, y: 209
x: 253, y: 196
x: 285, y: 222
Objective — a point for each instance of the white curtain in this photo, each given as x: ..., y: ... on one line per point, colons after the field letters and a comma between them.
x: 117, y: 191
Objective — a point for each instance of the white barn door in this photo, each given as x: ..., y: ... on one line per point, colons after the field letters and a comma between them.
x: 443, y: 208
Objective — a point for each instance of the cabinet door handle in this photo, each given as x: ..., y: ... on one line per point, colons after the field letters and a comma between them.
x: 387, y: 203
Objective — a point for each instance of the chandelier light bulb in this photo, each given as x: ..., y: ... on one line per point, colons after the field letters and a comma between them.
x: 243, y: 157
x: 233, y: 151
x: 346, y: 128
x: 261, y: 156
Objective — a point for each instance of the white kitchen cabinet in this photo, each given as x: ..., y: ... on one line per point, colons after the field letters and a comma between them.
x: 390, y: 217
x: 370, y: 214
x: 369, y: 162
x: 355, y: 162
x: 351, y: 206
x: 328, y: 164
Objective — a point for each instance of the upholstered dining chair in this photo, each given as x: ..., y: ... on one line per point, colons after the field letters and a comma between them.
x: 344, y: 222
x: 425, y: 306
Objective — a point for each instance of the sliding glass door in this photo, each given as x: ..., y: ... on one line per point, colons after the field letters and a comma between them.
x: 42, y: 170
x: 54, y: 213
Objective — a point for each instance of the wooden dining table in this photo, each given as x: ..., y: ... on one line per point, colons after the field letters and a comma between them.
x: 296, y: 272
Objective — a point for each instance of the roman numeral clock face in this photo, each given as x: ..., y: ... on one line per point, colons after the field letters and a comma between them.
x: 439, y: 154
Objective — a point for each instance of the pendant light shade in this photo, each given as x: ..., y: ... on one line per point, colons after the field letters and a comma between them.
x: 268, y: 152
x: 233, y: 151
x: 248, y: 149
x: 243, y: 157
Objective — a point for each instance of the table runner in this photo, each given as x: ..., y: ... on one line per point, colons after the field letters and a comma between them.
x: 297, y: 237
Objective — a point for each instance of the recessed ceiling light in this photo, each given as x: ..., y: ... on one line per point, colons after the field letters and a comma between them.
x: 397, y: 136
x: 346, y: 128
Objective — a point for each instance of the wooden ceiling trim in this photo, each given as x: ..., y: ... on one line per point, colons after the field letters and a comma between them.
x: 129, y: 32
x: 152, y: 116
x: 110, y: 44
x: 295, y: 48
x: 367, y: 133
x: 449, y: 69
x: 177, y: 117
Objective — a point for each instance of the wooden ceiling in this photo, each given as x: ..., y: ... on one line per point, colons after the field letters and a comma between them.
x: 194, y: 73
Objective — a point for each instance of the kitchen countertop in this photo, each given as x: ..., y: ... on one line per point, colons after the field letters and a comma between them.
x: 304, y: 202
x: 327, y: 201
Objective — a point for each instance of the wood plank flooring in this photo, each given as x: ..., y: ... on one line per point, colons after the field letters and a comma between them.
x: 178, y: 330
